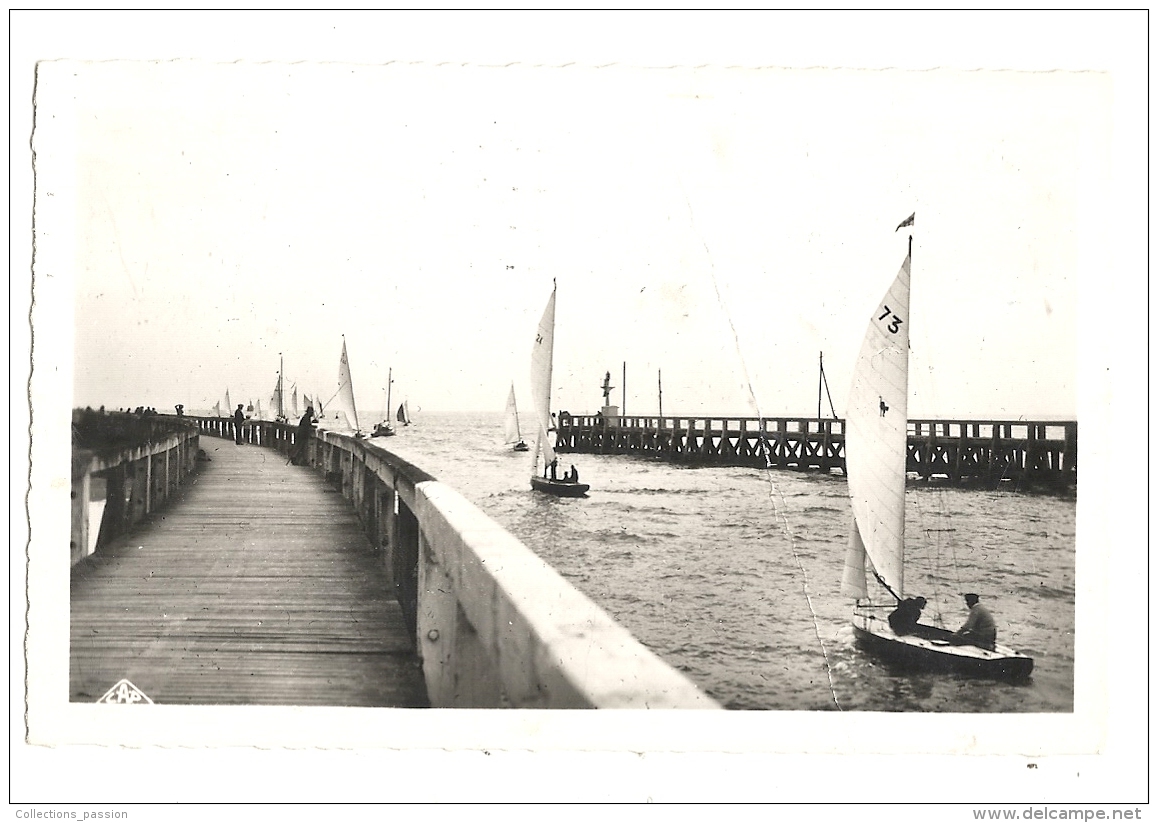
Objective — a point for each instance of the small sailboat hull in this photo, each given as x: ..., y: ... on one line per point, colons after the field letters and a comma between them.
x: 932, y: 648
x: 382, y: 430
x: 559, y: 488
x: 521, y: 447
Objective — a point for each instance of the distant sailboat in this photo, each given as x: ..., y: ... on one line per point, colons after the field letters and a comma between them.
x: 511, y: 432
x: 403, y: 415
x: 542, y: 363
x: 345, y: 396
x: 228, y: 405
x: 384, y: 429
x: 277, y: 399
x: 876, y: 446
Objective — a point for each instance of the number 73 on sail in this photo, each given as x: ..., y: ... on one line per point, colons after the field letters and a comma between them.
x: 876, y: 440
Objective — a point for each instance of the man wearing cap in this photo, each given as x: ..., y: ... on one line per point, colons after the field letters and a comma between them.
x: 979, y: 629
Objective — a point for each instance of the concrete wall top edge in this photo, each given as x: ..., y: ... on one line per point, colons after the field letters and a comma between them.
x: 592, y: 651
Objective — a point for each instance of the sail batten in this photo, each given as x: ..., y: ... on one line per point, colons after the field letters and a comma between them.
x: 876, y: 436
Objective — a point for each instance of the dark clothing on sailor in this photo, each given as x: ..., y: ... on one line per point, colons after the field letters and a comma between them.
x: 903, y: 619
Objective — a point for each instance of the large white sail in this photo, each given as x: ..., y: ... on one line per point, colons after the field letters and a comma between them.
x: 542, y: 355
x: 876, y: 438
x: 228, y: 404
x: 511, y: 432
x: 345, y: 397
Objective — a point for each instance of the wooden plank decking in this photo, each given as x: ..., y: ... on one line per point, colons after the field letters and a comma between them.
x: 256, y: 585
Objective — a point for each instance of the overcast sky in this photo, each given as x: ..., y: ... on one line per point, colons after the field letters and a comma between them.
x: 192, y: 220
x: 721, y: 225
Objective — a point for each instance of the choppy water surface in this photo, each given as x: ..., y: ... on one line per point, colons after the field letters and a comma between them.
x: 732, y: 575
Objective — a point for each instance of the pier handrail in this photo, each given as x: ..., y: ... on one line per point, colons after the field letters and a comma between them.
x: 123, y: 467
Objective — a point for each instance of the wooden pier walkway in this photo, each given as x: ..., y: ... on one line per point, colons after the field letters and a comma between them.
x: 255, y: 585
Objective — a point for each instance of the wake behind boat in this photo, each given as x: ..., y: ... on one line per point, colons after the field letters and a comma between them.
x: 542, y: 357
x: 876, y: 443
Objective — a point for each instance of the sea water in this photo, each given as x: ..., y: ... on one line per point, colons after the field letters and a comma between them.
x: 732, y: 575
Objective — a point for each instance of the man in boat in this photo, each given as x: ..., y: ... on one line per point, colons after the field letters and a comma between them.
x: 903, y: 619
x: 980, y: 628
x: 574, y: 476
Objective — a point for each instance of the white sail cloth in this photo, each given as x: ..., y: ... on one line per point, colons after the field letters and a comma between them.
x: 542, y: 356
x: 345, y: 398
x: 511, y: 432
x: 876, y: 440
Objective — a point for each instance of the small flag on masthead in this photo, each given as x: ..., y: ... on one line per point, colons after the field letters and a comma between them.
x: 908, y: 221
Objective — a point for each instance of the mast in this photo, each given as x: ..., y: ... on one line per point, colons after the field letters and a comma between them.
x: 820, y: 386
x: 389, y: 383
x: 515, y: 406
x: 623, y: 391
x: 659, y: 381
x: 280, y: 385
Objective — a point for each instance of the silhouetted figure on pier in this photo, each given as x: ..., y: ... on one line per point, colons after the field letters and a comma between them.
x: 903, y: 619
x: 180, y: 410
x: 302, y: 439
x: 238, y: 421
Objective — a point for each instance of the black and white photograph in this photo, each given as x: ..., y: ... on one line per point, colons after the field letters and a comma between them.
x: 419, y: 404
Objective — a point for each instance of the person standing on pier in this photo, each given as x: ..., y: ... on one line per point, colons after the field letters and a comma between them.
x: 302, y: 439
x: 238, y: 420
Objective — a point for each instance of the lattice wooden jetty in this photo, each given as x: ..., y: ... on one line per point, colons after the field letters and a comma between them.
x: 957, y: 450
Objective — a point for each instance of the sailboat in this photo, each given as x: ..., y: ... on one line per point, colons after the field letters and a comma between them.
x: 511, y: 433
x: 542, y: 363
x: 384, y: 428
x: 876, y: 444
x: 277, y: 400
x: 403, y: 415
x: 346, y: 391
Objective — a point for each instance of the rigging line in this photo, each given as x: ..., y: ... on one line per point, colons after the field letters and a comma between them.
x: 774, y: 489
x: 780, y: 510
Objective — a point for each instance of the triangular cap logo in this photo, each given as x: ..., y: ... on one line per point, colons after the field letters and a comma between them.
x: 125, y: 692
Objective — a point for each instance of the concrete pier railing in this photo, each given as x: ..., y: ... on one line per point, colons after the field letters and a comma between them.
x: 495, y: 626
x: 124, y: 466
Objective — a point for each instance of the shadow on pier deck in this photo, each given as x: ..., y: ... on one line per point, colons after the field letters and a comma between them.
x: 257, y: 586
